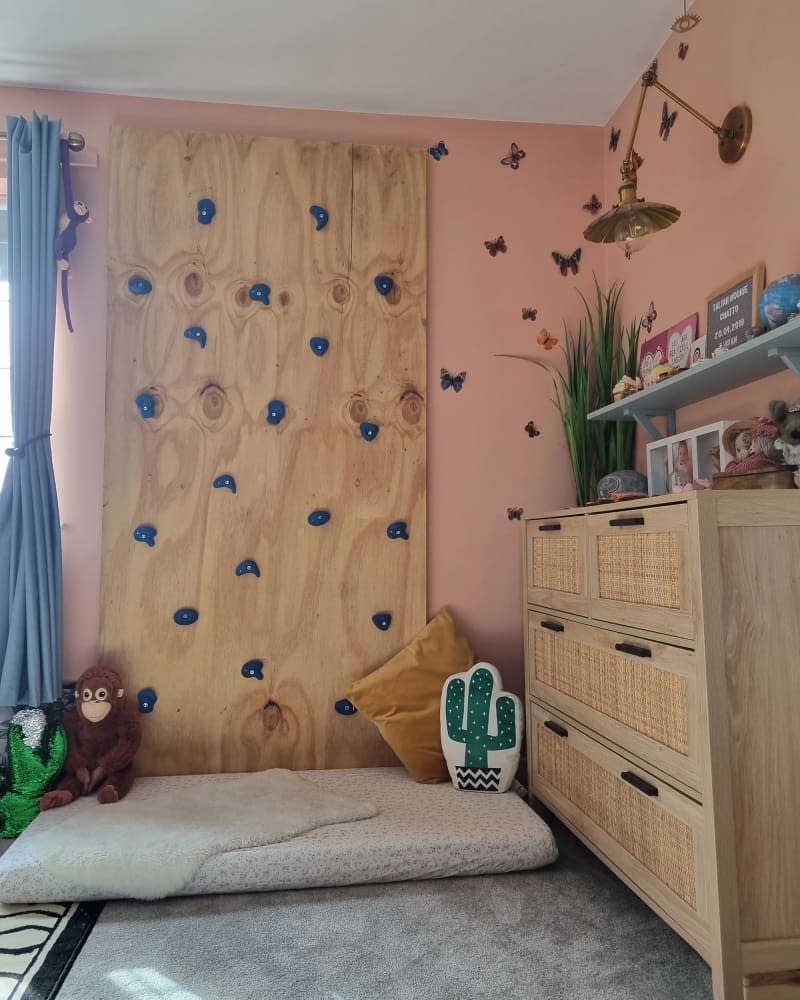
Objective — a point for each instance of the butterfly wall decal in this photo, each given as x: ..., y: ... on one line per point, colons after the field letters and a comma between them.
x: 513, y: 158
x: 593, y: 205
x: 438, y: 151
x: 614, y: 139
x: 448, y: 380
x: 683, y: 48
x: 496, y: 246
x: 546, y: 340
x: 514, y: 513
x: 528, y: 313
x: 532, y: 430
x: 667, y: 121
x: 650, y: 318
x: 567, y: 263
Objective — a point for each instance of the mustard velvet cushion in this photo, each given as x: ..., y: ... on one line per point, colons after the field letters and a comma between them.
x: 402, y: 697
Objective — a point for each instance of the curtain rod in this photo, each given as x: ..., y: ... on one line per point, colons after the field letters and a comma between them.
x: 75, y: 140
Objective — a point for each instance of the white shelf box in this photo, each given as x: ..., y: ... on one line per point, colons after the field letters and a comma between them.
x: 687, y: 461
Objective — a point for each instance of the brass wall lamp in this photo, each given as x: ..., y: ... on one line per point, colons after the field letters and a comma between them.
x: 633, y: 220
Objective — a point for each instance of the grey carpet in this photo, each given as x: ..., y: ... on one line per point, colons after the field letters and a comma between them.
x: 572, y: 931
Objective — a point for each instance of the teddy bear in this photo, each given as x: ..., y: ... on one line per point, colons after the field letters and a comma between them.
x: 788, y: 444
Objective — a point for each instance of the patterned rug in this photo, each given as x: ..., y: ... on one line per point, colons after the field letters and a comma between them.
x: 38, y: 945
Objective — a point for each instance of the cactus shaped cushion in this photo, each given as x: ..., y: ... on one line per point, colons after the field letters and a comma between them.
x: 36, y: 754
x: 481, y: 728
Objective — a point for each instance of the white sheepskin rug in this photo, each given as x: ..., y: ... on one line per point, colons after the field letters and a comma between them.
x: 152, y: 843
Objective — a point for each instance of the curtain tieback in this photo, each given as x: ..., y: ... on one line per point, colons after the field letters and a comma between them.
x: 19, y: 451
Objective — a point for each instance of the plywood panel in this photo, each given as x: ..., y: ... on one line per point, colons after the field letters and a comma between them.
x: 309, y: 615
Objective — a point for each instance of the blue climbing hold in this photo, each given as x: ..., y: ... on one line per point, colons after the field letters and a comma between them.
x: 147, y: 699
x: 225, y: 482
x: 138, y: 285
x: 260, y: 293
x: 319, y: 517
x: 398, y: 529
x: 248, y: 566
x: 384, y: 284
x: 206, y: 210
x: 382, y: 620
x: 345, y: 707
x: 320, y: 216
x: 254, y: 669
x: 369, y: 431
x: 145, y: 533
x: 146, y: 404
x: 276, y: 411
x: 319, y: 345
x: 185, y: 616
x: 196, y: 333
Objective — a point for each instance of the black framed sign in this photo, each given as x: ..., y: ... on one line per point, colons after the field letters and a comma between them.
x: 732, y: 311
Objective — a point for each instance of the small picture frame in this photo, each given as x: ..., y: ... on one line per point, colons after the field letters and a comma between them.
x: 699, y: 352
x: 687, y: 461
x: 732, y: 311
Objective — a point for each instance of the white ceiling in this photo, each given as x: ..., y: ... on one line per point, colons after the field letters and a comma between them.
x: 568, y: 61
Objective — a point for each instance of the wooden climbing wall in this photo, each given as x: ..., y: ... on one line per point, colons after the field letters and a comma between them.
x: 194, y: 362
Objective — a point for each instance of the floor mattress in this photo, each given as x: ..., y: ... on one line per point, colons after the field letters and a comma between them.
x: 421, y: 831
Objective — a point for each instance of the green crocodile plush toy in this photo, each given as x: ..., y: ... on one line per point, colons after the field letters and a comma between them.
x: 36, y: 754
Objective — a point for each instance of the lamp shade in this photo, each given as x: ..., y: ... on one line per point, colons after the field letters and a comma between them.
x: 628, y: 223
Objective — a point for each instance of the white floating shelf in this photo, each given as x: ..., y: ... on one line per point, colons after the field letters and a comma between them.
x: 753, y: 360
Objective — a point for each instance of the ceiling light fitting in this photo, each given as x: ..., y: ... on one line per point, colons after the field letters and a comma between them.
x: 630, y: 223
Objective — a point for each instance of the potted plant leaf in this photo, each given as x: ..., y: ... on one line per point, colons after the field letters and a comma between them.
x: 596, y: 356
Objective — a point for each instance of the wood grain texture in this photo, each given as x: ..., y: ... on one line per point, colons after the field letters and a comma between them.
x: 308, y: 616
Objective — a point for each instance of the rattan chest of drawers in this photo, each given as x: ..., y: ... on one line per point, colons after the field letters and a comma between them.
x: 662, y: 685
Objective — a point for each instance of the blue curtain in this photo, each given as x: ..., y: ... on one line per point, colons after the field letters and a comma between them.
x: 30, y: 536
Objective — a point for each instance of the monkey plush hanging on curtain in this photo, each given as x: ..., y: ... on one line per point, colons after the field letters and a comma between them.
x: 75, y: 212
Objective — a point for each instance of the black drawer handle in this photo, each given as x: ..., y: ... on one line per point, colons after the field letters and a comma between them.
x: 555, y: 728
x: 553, y: 626
x: 640, y: 783
x: 625, y: 522
x: 549, y: 527
x: 628, y: 647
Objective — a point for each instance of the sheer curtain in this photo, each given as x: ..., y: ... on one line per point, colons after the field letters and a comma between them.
x: 30, y: 539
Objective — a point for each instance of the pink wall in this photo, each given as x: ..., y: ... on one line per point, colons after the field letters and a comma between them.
x: 480, y: 461
x: 733, y: 216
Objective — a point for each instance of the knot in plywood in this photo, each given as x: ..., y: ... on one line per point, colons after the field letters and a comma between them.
x: 271, y: 716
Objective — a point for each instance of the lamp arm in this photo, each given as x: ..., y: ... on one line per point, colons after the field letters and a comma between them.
x: 716, y: 129
x: 629, y: 151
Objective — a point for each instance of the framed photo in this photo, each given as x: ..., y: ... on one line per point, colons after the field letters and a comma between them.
x: 687, y: 461
x: 671, y: 347
x: 699, y: 351
x: 732, y: 311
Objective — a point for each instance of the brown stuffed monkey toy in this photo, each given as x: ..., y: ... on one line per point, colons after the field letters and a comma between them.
x: 103, y: 735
